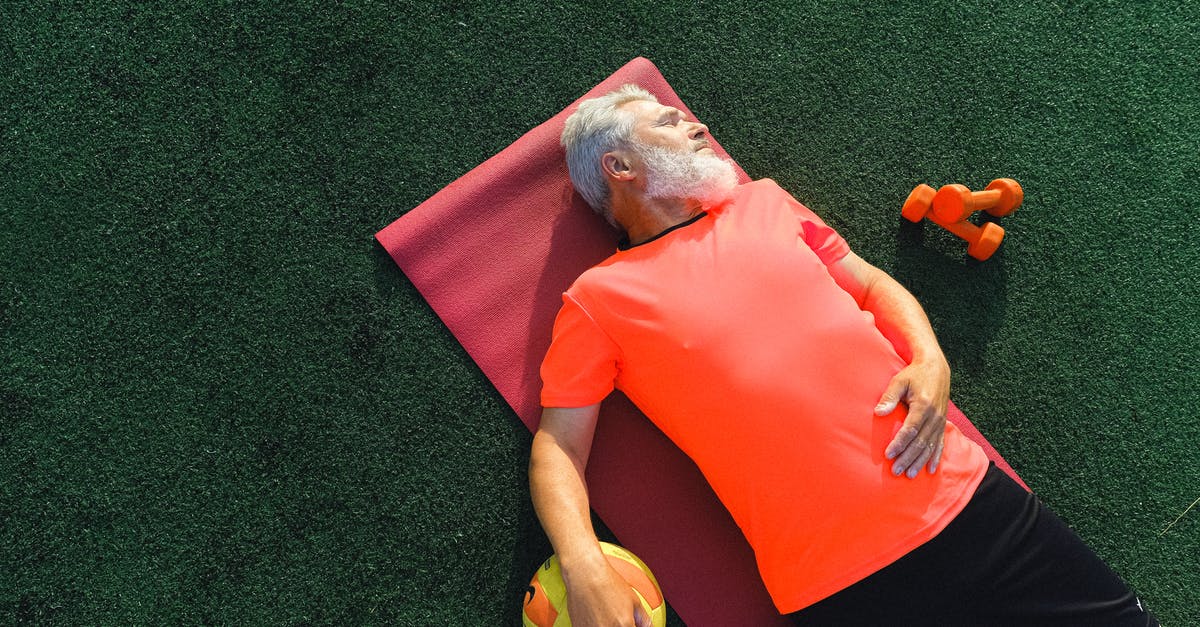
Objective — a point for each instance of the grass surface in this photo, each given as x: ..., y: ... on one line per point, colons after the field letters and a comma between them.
x: 220, y: 401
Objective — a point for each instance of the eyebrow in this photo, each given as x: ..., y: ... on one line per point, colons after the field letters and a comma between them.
x: 669, y: 113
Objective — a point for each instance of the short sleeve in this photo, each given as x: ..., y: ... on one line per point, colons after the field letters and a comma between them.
x: 581, y: 367
x: 820, y: 237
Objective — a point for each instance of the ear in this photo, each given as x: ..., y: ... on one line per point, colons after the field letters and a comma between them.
x: 617, y: 165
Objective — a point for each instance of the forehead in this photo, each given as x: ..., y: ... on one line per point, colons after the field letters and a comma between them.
x: 647, y: 111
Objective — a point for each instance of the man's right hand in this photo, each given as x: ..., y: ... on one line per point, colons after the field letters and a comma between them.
x: 597, y: 596
x: 602, y: 598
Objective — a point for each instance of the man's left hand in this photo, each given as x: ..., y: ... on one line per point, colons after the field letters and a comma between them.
x: 925, y: 388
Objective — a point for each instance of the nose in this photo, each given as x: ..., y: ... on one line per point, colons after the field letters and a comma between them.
x: 698, y: 130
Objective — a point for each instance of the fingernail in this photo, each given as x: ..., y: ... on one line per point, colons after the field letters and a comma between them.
x: 897, y: 470
x: 912, y: 472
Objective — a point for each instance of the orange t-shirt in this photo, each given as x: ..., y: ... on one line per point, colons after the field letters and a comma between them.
x: 729, y: 333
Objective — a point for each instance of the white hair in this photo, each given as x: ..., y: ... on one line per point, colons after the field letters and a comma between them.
x: 597, y: 127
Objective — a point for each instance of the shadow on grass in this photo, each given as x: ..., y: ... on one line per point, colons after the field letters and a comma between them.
x: 965, y: 299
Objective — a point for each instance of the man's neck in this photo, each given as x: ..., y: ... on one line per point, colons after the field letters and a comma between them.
x: 654, y: 216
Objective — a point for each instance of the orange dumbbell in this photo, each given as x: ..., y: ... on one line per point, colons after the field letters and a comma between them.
x: 951, y: 206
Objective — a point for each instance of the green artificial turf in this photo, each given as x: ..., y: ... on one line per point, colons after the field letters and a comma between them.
x: 222, y: 403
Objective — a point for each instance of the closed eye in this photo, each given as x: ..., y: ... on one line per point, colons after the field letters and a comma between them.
x: 672, y: 118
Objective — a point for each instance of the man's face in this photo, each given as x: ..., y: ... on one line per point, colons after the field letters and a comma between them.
x: 673, y: 158
x: 666, y: 127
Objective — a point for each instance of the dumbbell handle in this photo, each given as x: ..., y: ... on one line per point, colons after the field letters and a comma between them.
x: 982, y: 240
x: 956, y: 203
x: 964, y: 229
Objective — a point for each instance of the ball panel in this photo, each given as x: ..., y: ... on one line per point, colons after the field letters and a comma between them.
x: 550, y: 576
x: 539, y: 611
x: 638, y: 579
x: 639, y: 575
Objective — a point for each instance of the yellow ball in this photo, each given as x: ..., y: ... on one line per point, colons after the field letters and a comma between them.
x: 546, y: 598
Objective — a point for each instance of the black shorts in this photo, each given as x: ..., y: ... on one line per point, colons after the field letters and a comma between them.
x: 1004, y: 560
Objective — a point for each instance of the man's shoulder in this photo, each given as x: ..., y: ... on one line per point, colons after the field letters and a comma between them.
x: 760, y: 195
x: 758, y: 191
x: 763, y: 185
x: 596, y: 275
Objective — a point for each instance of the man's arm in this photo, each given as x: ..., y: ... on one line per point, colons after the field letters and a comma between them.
x: 924, y: 385
x: 596, y: 593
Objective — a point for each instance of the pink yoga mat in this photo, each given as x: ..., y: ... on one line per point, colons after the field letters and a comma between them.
x: 492, y: 253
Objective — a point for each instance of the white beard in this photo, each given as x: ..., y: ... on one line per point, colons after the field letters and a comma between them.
x: 671, y: 174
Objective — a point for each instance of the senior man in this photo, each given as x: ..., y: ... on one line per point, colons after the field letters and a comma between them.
x: 807, y: 386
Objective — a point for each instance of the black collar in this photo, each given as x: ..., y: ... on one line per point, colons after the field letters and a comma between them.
x: 625, y: 245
